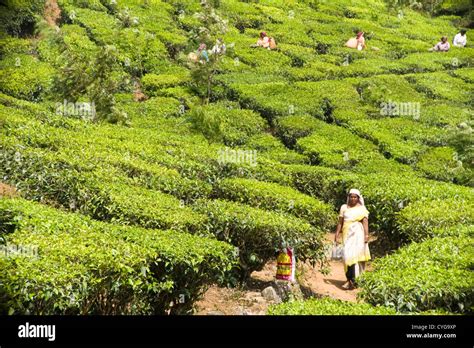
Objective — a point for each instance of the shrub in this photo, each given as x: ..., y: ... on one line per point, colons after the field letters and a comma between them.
x: 439, y: 163
x: 425, y: 219
x: 45, y: 177
x: 443, y: 114
x: 88, y: 267
x: 18, y: 17
x: 102, y: 79
x: 334, y: 146
x: 23, y: 76
x: 10, y: 45
x: 384, y: 88
x: 441, y: 85
x: 272, y: 196
x: 328, y: 184
x: 153, y: 83
x: 125, y: 204
x: 465, y: 74
x: 387, y: 192
x: 291, y: 128
x: 259, y: 234
x: 400, y: 138
x: 237, y: 125
x: 163, y: 179
x: 435, y: 274
x: 270, y: 147
x: 328, y: 306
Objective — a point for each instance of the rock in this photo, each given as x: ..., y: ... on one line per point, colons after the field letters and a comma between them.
x: 270, y: 294
x: 215, y: 313
x: 288, y: 291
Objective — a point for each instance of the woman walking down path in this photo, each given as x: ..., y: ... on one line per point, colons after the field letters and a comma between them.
x: 353, y: 221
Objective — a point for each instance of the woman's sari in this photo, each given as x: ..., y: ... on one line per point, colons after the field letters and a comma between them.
x: 356, y: 251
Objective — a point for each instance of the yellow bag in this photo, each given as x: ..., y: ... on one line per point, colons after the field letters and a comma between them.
x: 286, y: 265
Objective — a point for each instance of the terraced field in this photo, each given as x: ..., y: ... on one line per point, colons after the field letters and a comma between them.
x: 140, y: 213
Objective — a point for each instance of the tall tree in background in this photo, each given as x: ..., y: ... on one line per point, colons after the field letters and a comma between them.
x: 212, y: 27
x: 96, y: 78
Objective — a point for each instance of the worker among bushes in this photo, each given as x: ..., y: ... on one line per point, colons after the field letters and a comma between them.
x: 442, y: 46
x: 357, y: 42
x: 460, y: 39
x: 353, y: 221
x: 200, y: 55
x: 265, y: 41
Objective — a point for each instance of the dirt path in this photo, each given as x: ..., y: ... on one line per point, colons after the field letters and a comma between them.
x: 52, y: 12
x: 249, y: 300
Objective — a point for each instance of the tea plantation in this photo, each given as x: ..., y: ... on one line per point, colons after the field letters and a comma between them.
x: 170, y: 187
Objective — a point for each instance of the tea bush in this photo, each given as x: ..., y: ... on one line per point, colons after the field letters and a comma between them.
x: 440, y: 163
x: 272, y: 196
x: 425, y: 219
x: 400, y: 138
x: 23, y: 76
x: 291, y: 128
x: 259, y: 234
x: 153, y: 83
x: 435, y: 274
x: 441, y: 85
x: 334, y: 146
x: 88, y: 267
x: 328, y: 306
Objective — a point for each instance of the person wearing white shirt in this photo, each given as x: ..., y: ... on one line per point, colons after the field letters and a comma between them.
x: 460, y: 39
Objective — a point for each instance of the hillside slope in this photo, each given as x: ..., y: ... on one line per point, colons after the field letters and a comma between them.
x: 146, y: 210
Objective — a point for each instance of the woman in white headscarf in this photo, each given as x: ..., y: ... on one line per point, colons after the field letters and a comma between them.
x: 353, y: 221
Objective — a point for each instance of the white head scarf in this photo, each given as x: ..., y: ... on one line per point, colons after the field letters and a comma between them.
x: 356, y: 192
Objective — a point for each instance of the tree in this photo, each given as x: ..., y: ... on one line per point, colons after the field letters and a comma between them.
x: 96, y: 78
x: 203, y: 72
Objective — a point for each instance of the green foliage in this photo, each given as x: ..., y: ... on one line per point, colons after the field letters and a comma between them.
x: 460, y: 139
x: 125, y: 204
x: 203, y: 71
x: 101, y: 80
x: 153, y: 83
x: 426, y: 219
x: 18, y: 17
x: 334, y: 146
x: 259, y: 234
x: 10, y: 45
x: 235, y: 125
x: 440, y: 163
x: 385, y: 88
x: 272, y: 148
x: 328, y: 184
x: 23, y: 76
x: 441, y: 85
x: 435, y: 274
x: 272, y: 196
x: 280, y: 99
x: 387, y: 193
x: 400, y: 138
x: 210, y: 124
x: 291, y: 128
x: 328, y: 306
x: 89, y: 267
x: 318, y: 97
